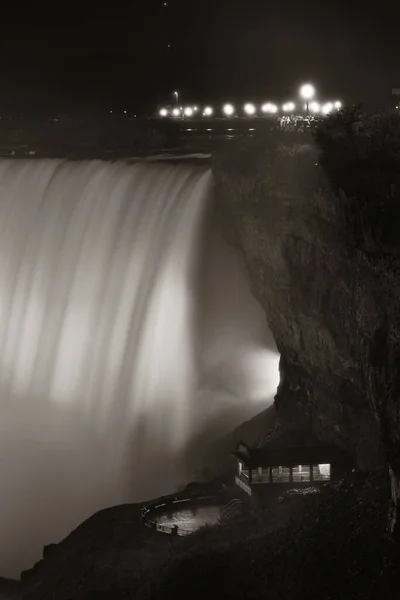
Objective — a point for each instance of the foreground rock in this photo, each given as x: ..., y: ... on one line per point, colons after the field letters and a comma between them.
x: 329, y: 544
x: 102, y: 556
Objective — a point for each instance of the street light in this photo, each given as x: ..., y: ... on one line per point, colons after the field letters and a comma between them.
x: 249, y: 109
x: 163, y: 112
x: 176, y: 112
x: 188, y: 112
x: 228, y: 110
x: 288, y: 107
x: 208, y: 111
x: 327, y: 108
x: 315, y: 107
x: 307, y: 91
x: 338, y: 105
x: 268, y: 107
x: 176, y: 94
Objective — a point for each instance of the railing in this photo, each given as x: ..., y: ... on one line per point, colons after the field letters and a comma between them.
x: 171, y: 529
x: 231, y: 504
x: 230, y: 509
x: 244, y: 486
x: 166, y: 503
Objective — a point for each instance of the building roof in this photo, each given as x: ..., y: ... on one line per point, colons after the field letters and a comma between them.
x: 289, y: 455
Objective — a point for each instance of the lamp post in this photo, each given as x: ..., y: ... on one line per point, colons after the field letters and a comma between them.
x: 307, y: 91
x: 249, y: 109
x: 228, y: 110
x: 176, y: 94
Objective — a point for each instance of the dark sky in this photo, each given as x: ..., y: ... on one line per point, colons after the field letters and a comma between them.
x: 76, y: 56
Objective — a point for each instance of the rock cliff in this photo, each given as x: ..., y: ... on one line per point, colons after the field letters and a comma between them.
x: 325, y: 266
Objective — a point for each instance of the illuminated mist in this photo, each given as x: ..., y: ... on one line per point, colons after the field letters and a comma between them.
x: 127, y: 330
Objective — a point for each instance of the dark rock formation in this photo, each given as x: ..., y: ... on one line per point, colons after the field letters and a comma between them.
x: 326, y: 268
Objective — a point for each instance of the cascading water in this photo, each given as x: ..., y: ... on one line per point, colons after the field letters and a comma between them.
x: 107, y: 355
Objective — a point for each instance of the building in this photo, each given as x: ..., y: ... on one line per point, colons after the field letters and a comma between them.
x: 267, y: 472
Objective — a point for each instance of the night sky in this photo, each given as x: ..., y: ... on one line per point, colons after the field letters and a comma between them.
x: 133, y: 55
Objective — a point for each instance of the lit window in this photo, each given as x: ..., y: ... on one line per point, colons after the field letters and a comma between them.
x: 280, y: 474
x: 301, y: 473
x: 261, y: 475
x: 322, y: 472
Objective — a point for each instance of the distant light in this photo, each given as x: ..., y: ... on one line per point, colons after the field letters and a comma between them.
x: 268, y: 107
x: 325, y: 470
x: 195, y: 108
x: 188, y: 111
x: 228, y: 110
x: 249, y: 109
x: 111, y: 111
x: 252, y: 129
x: 176, y: 112
x: 315, y: 107
x: 163, y: 112
x: 327, y: 108
x: 338, y: 105
x: 125, y: 111
x: 209, y: 130
x: 288, y: 107
x: 169, y: 45
x: 307, y: 91
x: 208, y: 111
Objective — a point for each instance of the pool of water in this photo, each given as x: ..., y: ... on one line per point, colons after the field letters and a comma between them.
x: 191, y: 518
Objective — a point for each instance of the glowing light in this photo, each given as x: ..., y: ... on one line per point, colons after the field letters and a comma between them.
x: 288, y: 107
x: 176, y: 112
x: 268, y: 107
x: 163, y: 112
x: 125, y: 111
x: 188, y: 111
x: 325, y: 470
x: 327, y: 108
x: 249, y: 109
x: 338, y: 105
x: 208, y: 111
x: 315, y: 107
x: 307, y: 91
x: 228, y: 110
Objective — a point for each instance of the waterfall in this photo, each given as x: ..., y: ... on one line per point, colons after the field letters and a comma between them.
x: 107, y: 347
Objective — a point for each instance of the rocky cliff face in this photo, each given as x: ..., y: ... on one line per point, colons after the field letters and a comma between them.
x: 327, y: 273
